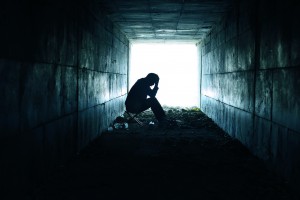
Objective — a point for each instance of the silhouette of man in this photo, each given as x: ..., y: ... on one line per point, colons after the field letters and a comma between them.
x: 137, y: 100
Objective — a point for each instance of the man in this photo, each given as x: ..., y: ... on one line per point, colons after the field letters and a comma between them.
x: 137, y: 100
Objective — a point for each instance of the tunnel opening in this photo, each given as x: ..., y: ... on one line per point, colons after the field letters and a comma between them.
x: 177, y: 66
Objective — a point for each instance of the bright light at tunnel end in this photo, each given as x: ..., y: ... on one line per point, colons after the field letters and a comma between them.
x: 177, y: 66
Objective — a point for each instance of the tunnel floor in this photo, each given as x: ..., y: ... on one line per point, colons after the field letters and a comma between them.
x: 193, y: 160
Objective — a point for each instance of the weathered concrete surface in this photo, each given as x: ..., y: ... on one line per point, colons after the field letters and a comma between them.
x: 246, y: 51
x: 164, y: 20
x: 236, y: 93
x: 250, y: 81
x: 274, y: 45
x: 63, y: 79
x: 263, y: 94
x: 286, y: 101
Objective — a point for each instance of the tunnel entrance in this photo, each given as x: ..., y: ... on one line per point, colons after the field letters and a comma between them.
x: 177, y: 66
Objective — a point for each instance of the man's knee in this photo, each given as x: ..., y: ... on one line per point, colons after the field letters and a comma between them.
x: 153, y: 100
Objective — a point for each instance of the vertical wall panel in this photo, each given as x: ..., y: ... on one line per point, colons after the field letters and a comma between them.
x: 254, y: 94
x: 286, y: 101
x: 63, y: 68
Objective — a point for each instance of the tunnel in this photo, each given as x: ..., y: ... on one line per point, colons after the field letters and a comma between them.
x: 64, y: 68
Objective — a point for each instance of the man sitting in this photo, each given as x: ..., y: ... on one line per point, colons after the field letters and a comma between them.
x: 137, y: 99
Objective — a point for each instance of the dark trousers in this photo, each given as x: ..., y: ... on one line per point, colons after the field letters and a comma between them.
x: 152, y: 103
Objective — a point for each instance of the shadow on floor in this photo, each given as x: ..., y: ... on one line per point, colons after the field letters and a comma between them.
x: 193, y: 160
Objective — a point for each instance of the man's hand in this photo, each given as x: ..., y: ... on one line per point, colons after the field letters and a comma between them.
x: 154, y: 91
x: 156, y: 85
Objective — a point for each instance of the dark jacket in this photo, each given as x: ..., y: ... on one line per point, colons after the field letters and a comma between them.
x: 139, y: 92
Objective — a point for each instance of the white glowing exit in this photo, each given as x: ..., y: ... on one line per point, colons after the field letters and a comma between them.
x: 177, y: 67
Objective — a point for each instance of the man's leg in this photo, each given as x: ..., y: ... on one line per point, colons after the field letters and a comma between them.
x: 137, y: 107
x: 148, y: 103
x: 156, y: 108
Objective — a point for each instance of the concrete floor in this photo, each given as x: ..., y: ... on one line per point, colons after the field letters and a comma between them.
x: 194, y: 160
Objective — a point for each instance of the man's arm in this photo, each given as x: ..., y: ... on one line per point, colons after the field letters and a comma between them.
x: 156, y: 84
x: 154, y: 90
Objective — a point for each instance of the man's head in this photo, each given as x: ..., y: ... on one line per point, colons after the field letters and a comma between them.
x: 152, y: 78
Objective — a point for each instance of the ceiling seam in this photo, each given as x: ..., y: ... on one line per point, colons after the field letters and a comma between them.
x: 181, y: 10
x: 151, y: 18
x: 122, y: 16
x: 166, y: 20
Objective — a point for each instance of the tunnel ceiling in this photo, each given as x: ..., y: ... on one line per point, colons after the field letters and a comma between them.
x: 180, y: 20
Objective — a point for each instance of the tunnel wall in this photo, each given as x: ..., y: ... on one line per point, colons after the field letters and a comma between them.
x: 250, y: 80
x: 63, y: 72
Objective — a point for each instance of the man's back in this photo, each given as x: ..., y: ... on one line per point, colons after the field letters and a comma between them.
x: 138, y: 92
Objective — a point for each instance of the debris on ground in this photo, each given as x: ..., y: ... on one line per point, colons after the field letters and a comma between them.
x: 193, y: 160
x: 119, y: 123
x: 178, y: 118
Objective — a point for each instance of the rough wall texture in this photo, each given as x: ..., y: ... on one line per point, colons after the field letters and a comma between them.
x: 63, y: 76
x: 250, y: 80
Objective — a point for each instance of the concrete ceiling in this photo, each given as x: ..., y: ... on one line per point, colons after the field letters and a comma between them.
x: 180, y: 20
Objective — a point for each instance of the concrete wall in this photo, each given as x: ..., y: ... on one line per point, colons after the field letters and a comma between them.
x: 251, y: 80
x: 63, y: 72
